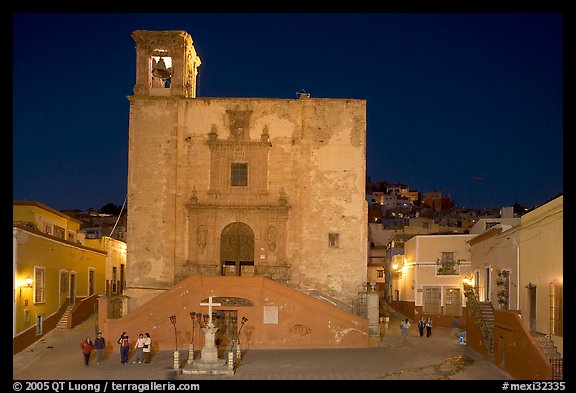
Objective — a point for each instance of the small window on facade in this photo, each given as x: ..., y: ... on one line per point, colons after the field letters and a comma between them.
x: 91, y: 281
x: 380, y: 273
x: 48, y: 229
x: 333, y: 240
x: 71, y: 236
x: 448, y: 265
x: 63, y: 282
x: 59, y: 232
x: 239, y: 175
x: 114, y: 289
x: 39, y: 285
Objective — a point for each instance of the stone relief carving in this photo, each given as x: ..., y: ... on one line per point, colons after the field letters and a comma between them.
x: 201, y: 238
x: 239, y: 123
x: 272, y: 242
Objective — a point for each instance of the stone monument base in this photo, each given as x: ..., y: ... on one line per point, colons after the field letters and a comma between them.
x: 198, y: 367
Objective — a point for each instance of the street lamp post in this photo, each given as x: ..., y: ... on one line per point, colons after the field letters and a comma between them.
x: 176, y: 354
x: 191, y: 348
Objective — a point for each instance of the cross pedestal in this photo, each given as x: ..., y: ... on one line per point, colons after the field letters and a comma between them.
x: 209, y: 363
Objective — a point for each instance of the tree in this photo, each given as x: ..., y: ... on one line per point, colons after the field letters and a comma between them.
x: 110, y: 208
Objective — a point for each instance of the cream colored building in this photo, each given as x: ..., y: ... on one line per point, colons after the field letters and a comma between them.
x: 495, y: 266
x: 428, y: 277
x: 240, y: 186
x: 541, y: 239
x: 115, y: 274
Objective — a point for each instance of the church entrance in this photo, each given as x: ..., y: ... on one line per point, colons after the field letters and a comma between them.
x: 237, y: 250
x: 225, y: 338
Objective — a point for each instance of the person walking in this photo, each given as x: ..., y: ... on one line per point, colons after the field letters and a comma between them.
x: 124, y: 342
x: 428, y: 327
x: 455, y: 331
x: 87, y: 347
x: 100, y: 345
x: 147, y: 347
x: 404, y: 326
x: 421, y: 325
x: 139, y: 347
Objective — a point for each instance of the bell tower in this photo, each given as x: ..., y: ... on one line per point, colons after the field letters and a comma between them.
x: 166, y: 64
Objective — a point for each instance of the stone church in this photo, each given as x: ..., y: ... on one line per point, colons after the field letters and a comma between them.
x: 259, y: 202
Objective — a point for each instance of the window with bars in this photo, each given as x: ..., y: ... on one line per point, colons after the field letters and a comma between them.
x: 39, y: 274
x: 239, y: 175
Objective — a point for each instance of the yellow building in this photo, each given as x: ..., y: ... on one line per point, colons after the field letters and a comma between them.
x: 115, y: 274
x: 52, y: 270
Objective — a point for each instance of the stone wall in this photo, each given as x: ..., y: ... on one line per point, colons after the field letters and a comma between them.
x: 306, y: 189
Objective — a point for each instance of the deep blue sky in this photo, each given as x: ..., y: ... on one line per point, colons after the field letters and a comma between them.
x: 467, y: 103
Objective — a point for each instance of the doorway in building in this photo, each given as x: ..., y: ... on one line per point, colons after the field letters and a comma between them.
x: 531, y: 307
x: 237, y: 250
x: 226, y: 321
x: 72, y: 290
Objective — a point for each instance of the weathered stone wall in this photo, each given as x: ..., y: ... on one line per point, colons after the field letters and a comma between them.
x: 309, y: 151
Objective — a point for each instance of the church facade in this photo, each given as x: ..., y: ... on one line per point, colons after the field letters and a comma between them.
x: 240, y: 186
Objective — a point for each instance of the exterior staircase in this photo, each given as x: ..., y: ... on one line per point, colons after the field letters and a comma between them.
x: 483, y: 317
x: 487, y: 315
x: 63, y: 322
x: 551, y: 352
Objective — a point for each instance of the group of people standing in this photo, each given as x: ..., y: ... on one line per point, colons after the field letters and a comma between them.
x: 425, y: 324
x: 422, y: 324
x: 143, y: 347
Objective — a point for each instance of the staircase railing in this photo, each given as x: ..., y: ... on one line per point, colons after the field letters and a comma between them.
x: 473, y: 305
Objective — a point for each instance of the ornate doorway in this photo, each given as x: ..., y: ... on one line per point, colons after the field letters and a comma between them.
x: 237, y: 250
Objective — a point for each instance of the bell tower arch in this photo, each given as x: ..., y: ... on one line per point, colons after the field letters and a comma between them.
x: 166, y: 64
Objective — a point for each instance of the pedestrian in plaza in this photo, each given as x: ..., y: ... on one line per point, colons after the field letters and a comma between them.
x: 421, y: 325
x: 404, y: 326
x: 100, y: 345
x: 455, y: 331
x: 147, y: 347
x: 124, y: 342
x: 428, y: 327
x: 87, y: 347
x: 139, y: 347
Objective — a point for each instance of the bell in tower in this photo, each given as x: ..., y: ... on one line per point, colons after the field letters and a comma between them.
x: 166, y: 64
x: 160, y: 73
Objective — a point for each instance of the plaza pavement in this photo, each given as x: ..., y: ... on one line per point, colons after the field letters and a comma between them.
x: 57, y: 356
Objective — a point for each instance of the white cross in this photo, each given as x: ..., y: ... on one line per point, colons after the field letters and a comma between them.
x: 210, y: 304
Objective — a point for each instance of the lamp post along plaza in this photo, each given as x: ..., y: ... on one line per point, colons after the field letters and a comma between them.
x: 176, y: 354
x: 191, y: 348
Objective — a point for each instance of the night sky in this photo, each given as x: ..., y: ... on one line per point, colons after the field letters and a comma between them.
x: 470, y: 104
